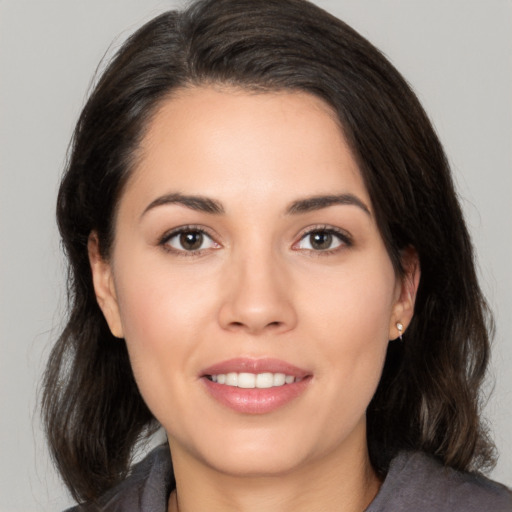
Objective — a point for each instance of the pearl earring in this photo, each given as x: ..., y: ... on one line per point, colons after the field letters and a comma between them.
x: 400, y: 328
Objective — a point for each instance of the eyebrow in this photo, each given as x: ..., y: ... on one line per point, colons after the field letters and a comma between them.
x: 310, y: 204
x: 208, y: 205
x: 198, y: 203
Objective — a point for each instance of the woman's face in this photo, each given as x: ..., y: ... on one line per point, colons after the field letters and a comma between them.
x: 250, y: 282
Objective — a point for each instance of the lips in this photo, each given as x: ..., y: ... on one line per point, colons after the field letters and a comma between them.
x: 255, y: 386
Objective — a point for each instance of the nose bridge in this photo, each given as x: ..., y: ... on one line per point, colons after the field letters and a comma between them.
x: 258, y: 293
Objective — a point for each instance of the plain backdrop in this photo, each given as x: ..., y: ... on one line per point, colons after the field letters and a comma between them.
x: 457, y: 55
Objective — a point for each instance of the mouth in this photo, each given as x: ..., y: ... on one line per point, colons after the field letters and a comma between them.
x: 255, y: 386
x: 251, y: 380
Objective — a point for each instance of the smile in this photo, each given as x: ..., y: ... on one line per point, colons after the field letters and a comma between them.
x: 255, y: 386
x: 251, y: 380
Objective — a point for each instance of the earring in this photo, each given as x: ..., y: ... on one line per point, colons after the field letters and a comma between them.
x: 400, y: 328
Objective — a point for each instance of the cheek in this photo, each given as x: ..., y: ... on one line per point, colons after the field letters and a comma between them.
x: 162, y: 314
x: 158, y: 300
x: 350, y: 315
x: 353, y: 303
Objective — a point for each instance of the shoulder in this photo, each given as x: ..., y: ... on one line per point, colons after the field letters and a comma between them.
x: 419, y: 482
x: 146, y: 488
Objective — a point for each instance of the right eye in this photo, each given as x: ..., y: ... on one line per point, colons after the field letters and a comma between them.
x: 189, y: 240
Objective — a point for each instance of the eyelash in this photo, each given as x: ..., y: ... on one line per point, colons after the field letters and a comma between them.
x: 343, y: 237
x: 165, y: 239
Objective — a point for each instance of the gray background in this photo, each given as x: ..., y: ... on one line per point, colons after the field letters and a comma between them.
x: 457, y: 55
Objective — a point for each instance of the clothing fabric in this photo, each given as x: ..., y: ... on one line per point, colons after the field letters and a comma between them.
x: 415, y: 482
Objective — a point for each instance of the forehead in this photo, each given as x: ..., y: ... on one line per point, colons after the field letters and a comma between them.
x: 230, y: 143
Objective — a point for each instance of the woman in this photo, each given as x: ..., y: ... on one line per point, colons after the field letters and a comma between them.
x: 255, y: 204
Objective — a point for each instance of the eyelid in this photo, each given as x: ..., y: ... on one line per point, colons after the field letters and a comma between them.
x: 344, y: 236
x: 168, y: 235
x: 341, y: 234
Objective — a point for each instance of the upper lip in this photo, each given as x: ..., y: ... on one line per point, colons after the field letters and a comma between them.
x: 250, y: 365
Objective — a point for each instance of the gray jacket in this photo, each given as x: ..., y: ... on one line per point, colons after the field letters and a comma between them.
x: 415, y: 483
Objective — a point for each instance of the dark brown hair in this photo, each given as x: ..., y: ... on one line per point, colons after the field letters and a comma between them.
x: 428, y: 397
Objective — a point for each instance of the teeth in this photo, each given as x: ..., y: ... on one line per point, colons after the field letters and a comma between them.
x: 253, y: 380
x: 246, y: 380
x: 232, y: 379
x: 266, y: 380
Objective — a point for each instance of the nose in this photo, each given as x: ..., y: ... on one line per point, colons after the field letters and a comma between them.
x: 257, y: 296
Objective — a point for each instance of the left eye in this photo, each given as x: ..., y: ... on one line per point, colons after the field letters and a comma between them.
x: 190, y: 241
x: 320, y: 240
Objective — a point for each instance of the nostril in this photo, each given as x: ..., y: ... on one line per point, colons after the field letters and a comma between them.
x: 271, y: 325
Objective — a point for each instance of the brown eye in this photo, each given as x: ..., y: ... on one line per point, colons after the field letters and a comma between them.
x: 189, y: 240
x: 322, y: 240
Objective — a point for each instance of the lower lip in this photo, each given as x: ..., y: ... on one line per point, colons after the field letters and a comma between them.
x: 255, y: 401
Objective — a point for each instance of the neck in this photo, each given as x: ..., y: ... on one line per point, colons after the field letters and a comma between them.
x: 348, y: 484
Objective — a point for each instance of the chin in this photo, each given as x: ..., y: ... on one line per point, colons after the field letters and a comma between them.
x: 263, y: 464
x: 260, y: 453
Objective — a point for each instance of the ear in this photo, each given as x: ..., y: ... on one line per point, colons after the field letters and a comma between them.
x: 403, y: 309
x: 103, y: 281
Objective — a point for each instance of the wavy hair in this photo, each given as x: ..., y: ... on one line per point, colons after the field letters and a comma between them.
x: 429, y: 395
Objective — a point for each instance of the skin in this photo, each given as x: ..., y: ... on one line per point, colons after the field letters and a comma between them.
x: 256, y: 288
